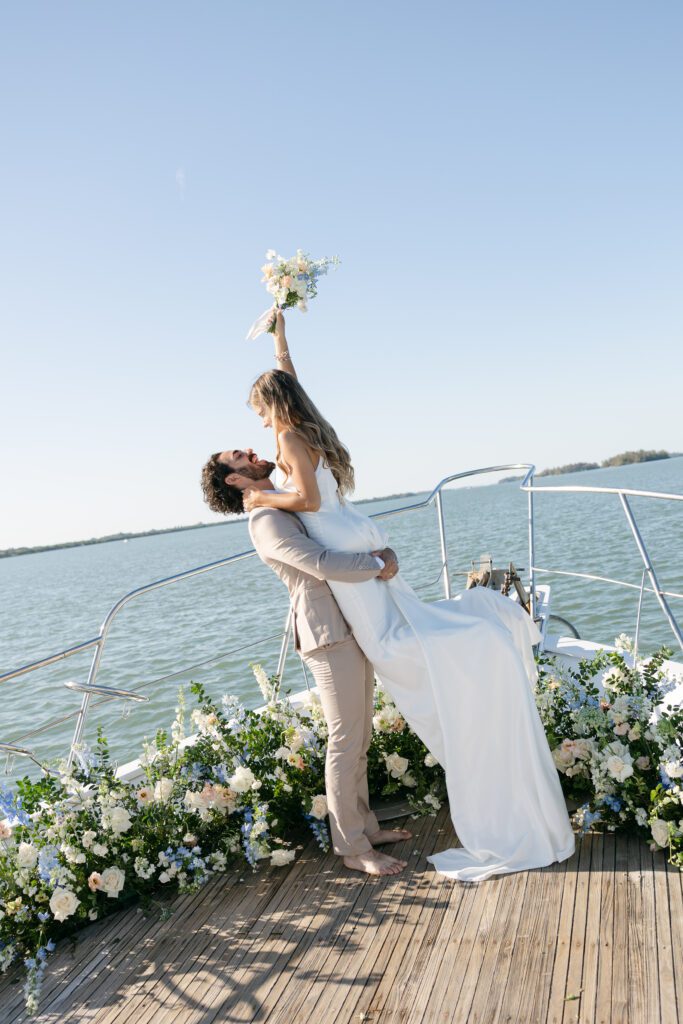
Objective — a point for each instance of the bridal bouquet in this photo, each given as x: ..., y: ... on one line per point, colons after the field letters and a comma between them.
x: 291, y: 282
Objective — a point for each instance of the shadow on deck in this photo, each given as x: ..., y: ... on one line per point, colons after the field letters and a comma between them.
x: 598, y: 938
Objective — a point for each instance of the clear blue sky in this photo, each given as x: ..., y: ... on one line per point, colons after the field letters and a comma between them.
x: 502, y: 182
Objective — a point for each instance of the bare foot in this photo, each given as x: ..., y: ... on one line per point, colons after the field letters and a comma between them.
x: 389, y: 835
x: 375, y: 863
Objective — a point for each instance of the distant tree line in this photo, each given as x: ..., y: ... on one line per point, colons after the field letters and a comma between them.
x: 624, y: 459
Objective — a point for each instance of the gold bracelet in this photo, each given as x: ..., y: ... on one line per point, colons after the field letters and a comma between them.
x: 282, y: 355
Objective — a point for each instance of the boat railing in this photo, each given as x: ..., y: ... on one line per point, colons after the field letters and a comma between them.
x: 648, y: 572
x: 91, y: 689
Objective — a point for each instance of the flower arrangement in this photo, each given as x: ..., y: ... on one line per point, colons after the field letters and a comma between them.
x: 250, y: 786
x: 291, y: 281
x: 616, y: 743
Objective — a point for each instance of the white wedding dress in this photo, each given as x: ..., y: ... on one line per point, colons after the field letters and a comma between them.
x: 461, y: 672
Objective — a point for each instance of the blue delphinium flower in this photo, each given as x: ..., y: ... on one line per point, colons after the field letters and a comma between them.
x: 12, y: 807
x: 47, y: 862
x: 319, y: 830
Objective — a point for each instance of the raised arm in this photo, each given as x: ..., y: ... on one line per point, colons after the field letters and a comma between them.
x: 282, y: 356
x: 295, y: 453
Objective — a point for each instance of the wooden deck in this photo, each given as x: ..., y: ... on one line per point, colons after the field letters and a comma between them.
x: 596, y: 939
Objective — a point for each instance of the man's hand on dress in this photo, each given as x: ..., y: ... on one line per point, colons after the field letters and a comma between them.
x: 390, y: 560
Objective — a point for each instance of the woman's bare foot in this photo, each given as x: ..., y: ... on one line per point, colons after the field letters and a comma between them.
x: 375, y: 863
x: 389, y: 835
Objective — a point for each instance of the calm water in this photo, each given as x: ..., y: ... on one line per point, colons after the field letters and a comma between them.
x: 55, y: 599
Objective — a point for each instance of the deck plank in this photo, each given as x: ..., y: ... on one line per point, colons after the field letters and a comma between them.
x: 570, y: 926
x: 319, y: 943
x: 332, y: 968
x: 605, y: 942
x: 582, y: 981
x: 621, y: 959
x: 674, y: 912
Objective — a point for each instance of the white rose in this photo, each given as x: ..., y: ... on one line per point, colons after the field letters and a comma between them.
x: 242, y: 780
x: 674, y: 769
x: 27, y: 855
x: 99, y: 849
x: 430, y: 760
x: 396, y: 764
x: 116, y: 819
x: 5, y: 830
x: 112, y: 881
x: 319, y: 806
x: 660, y: 831
x: 163, y: 789
x: 618, y: 768
x: 408, y: 780
x: 279, y: 858
x: 63, y: 903
x: 88, y: 837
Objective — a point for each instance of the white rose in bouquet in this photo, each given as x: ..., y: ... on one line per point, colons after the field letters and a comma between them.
x: 660, y: 831
x: 162, y: 790
x: 243, y: 780
x: 112, y: 880
x: 396, y: 765
x: 116, y: 819
x: 319, y: 806
x: 63, y: 903
x: 27, y: 855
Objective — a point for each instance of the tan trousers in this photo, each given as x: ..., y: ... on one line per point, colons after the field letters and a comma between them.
x: 345, y: 681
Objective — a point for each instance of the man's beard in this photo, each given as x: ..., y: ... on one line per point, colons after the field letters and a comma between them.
x: 257, y: 472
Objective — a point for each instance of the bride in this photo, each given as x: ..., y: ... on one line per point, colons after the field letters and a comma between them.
x: 460, y: 671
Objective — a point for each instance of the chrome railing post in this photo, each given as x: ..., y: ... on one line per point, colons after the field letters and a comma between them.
x: 532, y: 549
x: 85, y: 701
x: 650, y: 570
x: 283, y: 647
x: 640, y: 605
x: 444, y: 551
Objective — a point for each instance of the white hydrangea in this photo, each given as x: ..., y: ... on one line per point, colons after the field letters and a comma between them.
x: 116, y: 819
x: 618, y: 761
x: 27, y: 855
x: 279, y: 858
x: 243, y: 780
x: 614, y: 677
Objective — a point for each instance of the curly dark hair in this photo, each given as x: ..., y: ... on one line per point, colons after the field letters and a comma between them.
x: 219, y: 496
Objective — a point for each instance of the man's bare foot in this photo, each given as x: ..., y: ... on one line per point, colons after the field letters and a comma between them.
x: 390, y: 835
x: 375, y: 863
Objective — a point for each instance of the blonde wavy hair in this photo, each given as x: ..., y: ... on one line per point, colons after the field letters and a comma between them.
x: 290, y: 408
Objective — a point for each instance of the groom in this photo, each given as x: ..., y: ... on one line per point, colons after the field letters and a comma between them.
x: 344, y: 677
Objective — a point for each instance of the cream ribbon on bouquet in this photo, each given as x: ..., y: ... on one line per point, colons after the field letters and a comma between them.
x: 291, y: 282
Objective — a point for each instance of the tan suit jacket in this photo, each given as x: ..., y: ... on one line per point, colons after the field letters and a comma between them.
x: 303, y: 565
